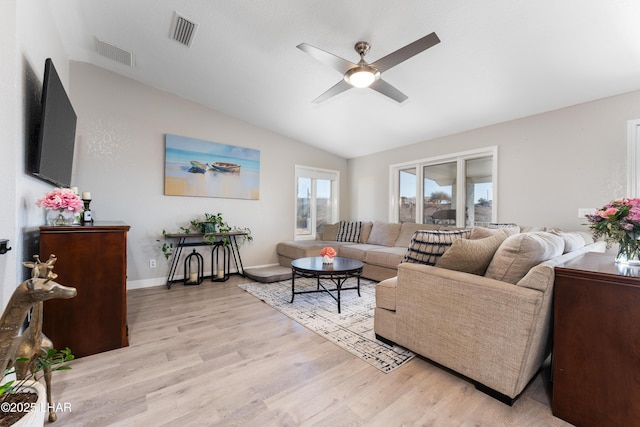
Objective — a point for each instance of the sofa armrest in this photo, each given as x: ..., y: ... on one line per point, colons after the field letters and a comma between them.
x: 491, y: 331
x: 542, y: 276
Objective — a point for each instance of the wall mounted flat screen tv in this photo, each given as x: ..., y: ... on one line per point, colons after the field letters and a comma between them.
x: 53, y: 160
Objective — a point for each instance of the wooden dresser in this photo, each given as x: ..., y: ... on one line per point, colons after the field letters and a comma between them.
x: 596, y: 353
x: 92, y: 259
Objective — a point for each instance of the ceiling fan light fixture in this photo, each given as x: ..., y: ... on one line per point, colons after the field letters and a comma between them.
x: 362, y: 76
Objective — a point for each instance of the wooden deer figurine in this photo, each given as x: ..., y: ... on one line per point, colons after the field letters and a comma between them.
x: 31, y: 293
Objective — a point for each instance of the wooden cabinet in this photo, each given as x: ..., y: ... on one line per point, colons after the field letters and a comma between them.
x: 92, y: 259
x: 596, y: 354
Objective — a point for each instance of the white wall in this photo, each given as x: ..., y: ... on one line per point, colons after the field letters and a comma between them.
x: 550, y: 164
x: 8, y: 135
x: 27, y: 38
x: 120, y: 160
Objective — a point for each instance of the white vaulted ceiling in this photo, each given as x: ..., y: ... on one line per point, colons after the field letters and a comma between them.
x: 498, y: 60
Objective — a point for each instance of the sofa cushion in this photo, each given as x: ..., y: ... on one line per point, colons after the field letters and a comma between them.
x: 482, y: 232
x: 471, y: 256
x: 330, y: 232
x: 269, y: 274
x: 530, y: 228
x: 520, y: 252
x: 496, y: 225
x: 305, y: 248
x: 386, y: 257
x: 358, y: 251
x: 508, y: 227
x: 365, y: 232
x: 349, y: 231
x: 428, y: 245
x: 386, y: 294
x: 572, y: 241
x: 408, y: 228
x: 384, y: 233
x: 588, y: 237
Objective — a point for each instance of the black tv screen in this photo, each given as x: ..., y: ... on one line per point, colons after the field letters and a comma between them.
x: 56, y: 137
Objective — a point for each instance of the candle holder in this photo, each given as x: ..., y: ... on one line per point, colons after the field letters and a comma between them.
x: 220, y: 262
x: 193, y: 275
x: 87, y: 217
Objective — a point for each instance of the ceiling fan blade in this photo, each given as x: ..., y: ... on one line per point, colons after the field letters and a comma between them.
x: 335, y: 62
x: 406, y: 52
x: 339, y: 87
x: 388, y: 90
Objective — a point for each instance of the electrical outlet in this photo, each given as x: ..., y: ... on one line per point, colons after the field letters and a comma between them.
x: 152, y: 263
x: 583, y: 212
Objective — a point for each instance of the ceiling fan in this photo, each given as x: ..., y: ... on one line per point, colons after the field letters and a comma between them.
x: 363, y: 74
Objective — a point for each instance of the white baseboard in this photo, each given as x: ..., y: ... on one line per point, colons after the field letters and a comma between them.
x: 262, y: 266
x: 146, y: 283
x: 162, y: 281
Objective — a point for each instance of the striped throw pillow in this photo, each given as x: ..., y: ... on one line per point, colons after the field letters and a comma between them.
x: 429, y: 245
x: 349, y: 231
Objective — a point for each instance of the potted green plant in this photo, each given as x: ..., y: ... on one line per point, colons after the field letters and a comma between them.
x: 214, y: 229
x: 212, y: 223
x: 24, y: 402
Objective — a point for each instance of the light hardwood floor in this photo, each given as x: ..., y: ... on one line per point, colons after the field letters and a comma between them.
x: 213, y: 355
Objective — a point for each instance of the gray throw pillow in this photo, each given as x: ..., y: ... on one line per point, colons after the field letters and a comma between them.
x: 384, y: 233
x: 482, y: 232
x: 520, y: 252
x: 330, y: 232
x: 471, y: 256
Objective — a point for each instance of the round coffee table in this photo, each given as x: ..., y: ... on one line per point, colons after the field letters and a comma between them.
x: 338, y: 272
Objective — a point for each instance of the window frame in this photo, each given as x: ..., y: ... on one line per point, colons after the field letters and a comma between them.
x: 314, y: 173
x: 633, y: 151
x: 460, y: 159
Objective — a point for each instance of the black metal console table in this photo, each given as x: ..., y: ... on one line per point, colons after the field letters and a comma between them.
x: 196, y: 239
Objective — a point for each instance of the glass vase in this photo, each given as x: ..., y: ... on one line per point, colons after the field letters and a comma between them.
x: 628, y: 252
x: 60, y: 217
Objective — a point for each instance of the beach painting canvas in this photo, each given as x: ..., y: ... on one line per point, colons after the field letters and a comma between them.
x: 194, y: 167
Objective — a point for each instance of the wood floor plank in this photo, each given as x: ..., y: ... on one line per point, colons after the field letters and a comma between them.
x: 213, y: 355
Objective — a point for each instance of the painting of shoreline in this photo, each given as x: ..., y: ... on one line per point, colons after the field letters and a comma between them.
x: 200, y: 168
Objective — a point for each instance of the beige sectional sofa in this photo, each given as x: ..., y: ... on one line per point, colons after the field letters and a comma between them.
x: 381, y: 246
x: 483, y: 310
x: 493, y: 328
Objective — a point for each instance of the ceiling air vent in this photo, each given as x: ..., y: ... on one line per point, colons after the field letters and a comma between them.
x: 182, y: 30
x: 114, y: 52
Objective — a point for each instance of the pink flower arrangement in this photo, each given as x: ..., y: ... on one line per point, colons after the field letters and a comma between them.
x: 61, y: 199
x: 619, y: 222
x: 328, y: 251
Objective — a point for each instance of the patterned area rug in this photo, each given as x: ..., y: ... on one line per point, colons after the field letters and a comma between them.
x: 352, y: 329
